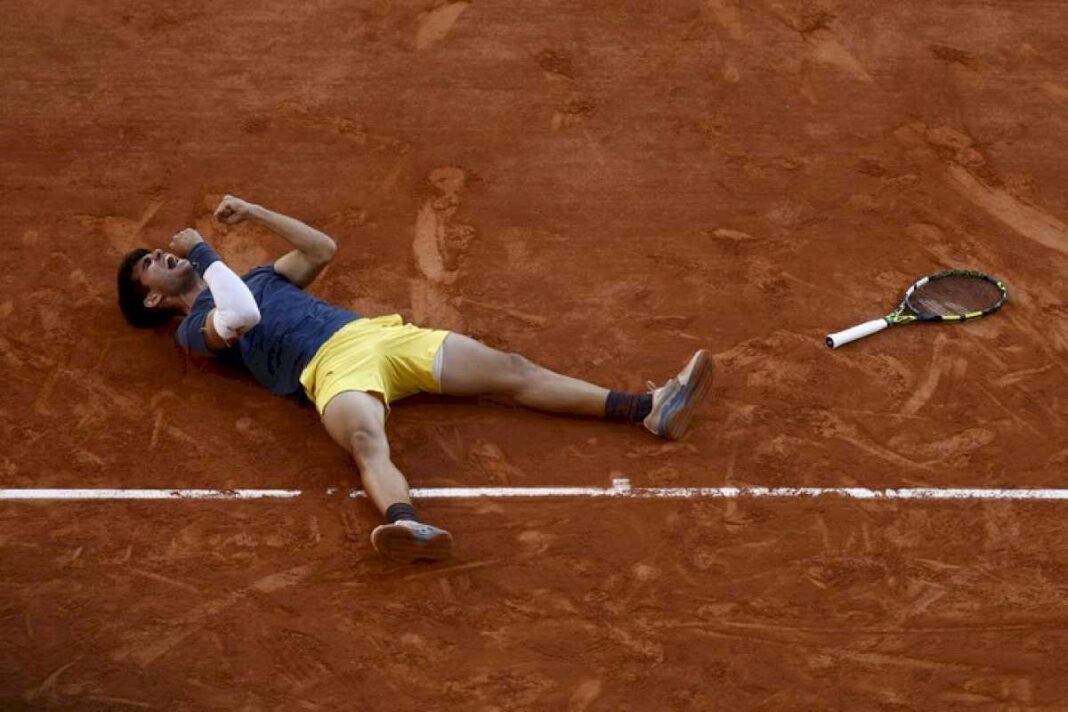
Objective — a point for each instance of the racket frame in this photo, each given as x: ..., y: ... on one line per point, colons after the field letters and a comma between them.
x: 898, y: 316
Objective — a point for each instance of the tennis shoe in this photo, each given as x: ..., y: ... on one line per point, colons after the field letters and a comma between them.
x: 407, y: 541
x: 675, y: 401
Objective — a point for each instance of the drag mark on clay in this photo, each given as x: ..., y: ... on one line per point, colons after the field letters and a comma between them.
x: 1029, y: 221
x: 939, y: 366
x: 1056, y: 92
x: 111, y: 701
x: 814, y: 28
x: 148, y: 646
x: 47, y: 687
x: 1017, y: 376
x: 833, y: 427
x: 434, y: 231
x: 533, y: 320
x: 122, y: 233
x: 163, y: 579
x: 827, y: 49
x: 959, y: 444
x: 1008, y: 411
x: 877, y: 659
x: 438, y: 245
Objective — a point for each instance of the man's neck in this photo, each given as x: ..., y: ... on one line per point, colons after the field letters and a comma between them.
x: 190, y: 295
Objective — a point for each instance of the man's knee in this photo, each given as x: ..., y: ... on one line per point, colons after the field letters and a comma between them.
x: 519, y: 372
x: 368, y: 444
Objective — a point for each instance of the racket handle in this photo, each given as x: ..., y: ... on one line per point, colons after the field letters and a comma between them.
x: 868, y: 328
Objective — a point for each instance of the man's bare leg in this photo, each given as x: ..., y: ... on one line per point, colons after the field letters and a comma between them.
x: 357, y: 422
x: 471, y: 368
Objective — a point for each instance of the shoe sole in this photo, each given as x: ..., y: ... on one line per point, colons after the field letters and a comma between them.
x: 675, y: 420
x: 400, y: 544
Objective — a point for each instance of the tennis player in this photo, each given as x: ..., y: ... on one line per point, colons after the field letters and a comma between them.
x: 354, y: 367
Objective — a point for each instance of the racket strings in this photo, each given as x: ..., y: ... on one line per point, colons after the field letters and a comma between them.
x: 955, y: 294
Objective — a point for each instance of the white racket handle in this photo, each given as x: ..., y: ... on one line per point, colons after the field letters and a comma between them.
x: 868, y: 328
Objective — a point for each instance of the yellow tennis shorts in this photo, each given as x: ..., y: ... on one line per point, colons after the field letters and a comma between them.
x: 377, y: 355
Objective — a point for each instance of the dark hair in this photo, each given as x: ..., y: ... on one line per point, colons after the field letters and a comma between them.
x: 132, y: 296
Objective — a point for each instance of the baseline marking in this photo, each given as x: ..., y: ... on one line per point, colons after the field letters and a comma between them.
x: 620, y: 488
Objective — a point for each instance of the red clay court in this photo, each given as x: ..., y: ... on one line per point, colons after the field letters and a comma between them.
x: 603, y: 187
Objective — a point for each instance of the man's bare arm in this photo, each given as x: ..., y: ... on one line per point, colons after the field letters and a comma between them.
x: 314, y: 249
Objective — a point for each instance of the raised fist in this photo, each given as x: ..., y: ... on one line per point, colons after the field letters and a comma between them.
x: 233, y: 210
x: 184, y: 241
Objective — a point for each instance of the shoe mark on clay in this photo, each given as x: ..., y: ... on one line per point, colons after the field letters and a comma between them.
x: 435, y: 24
x: 534, y: 542
x: 556, y: 65
x: 952, y: 55
x: 574, y: 113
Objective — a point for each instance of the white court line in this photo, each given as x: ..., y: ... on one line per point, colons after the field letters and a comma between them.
x: 620, y: 488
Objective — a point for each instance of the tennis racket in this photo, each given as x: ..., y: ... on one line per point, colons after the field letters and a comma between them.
x: 953, y: 295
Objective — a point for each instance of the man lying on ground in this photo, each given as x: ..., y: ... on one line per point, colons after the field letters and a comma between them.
x: 354, y: 367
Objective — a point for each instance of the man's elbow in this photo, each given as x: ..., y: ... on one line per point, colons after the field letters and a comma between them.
x: 327, y: 250
x: 252, y: 317
x: 245, y: 317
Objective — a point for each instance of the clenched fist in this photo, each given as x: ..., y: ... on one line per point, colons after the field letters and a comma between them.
x: 233, y: 210
x: 184, y: 242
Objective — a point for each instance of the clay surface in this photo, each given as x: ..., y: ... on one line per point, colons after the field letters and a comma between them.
x: 603, y: 187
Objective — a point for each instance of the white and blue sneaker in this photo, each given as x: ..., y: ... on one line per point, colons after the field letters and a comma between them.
x: 407, y: 541
x: 675, y: 401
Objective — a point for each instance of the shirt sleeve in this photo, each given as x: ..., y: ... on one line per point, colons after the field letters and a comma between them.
x: 190, y: 333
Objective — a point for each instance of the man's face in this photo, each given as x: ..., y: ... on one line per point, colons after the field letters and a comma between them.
x: 164, y: 273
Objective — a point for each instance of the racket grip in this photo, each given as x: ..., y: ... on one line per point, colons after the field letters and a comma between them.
x: 841, y: 338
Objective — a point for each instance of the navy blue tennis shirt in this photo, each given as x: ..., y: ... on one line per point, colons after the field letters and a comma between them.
x: 293, y: 325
